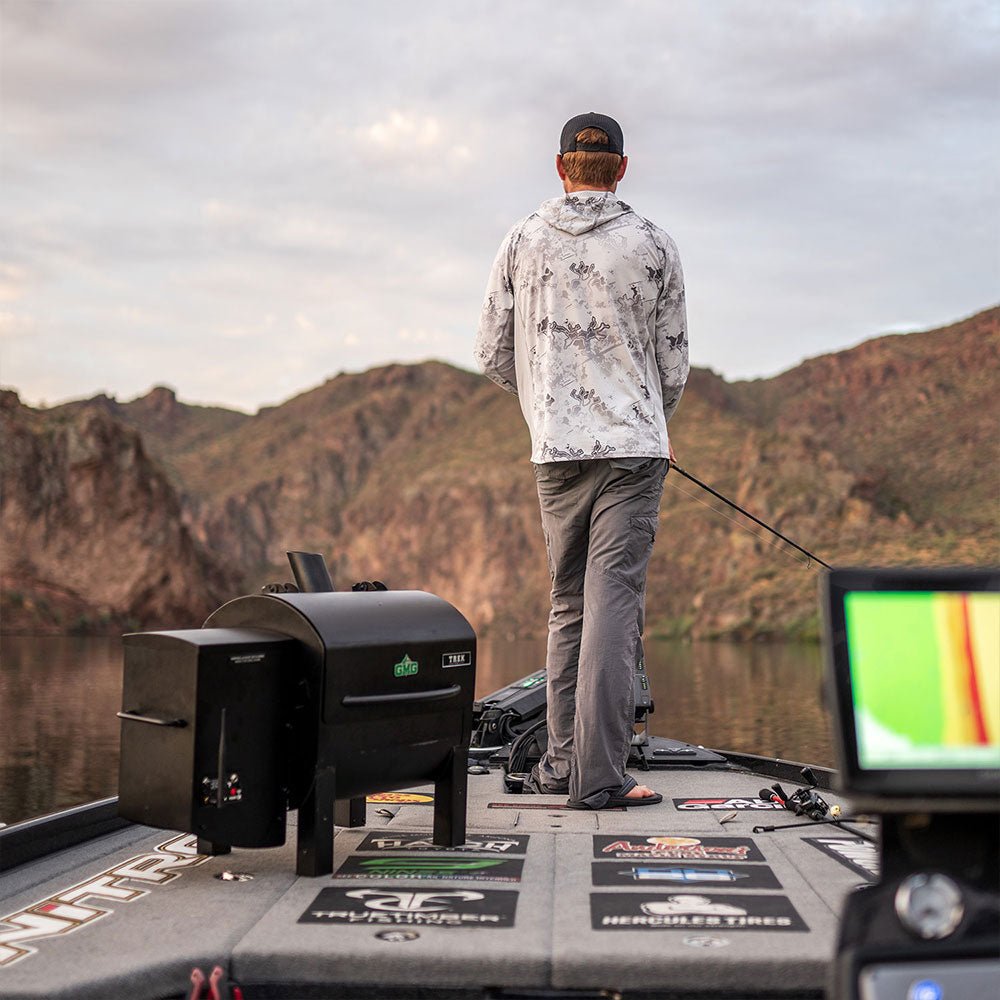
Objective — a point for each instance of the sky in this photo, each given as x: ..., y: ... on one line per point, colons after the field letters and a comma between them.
x: 242, y: 199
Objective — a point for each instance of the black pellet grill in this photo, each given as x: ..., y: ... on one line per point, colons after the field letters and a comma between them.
x: 309, y: 701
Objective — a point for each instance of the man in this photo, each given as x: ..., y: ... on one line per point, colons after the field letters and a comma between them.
x: 584, y: 320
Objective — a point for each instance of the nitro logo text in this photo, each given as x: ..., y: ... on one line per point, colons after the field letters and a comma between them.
x: 81, y: 904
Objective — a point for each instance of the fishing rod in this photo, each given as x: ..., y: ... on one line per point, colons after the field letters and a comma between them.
x: 746, y: 513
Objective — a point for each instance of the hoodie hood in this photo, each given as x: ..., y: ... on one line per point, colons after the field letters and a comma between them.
x: 582, y: 211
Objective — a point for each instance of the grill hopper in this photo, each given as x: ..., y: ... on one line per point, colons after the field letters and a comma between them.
x: 379, y: 697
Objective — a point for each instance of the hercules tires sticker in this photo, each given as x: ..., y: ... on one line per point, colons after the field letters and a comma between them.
x: 693, y: 911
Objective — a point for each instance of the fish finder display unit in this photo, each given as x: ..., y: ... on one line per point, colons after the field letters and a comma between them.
x: 913, y: 674
x: 915, y: 659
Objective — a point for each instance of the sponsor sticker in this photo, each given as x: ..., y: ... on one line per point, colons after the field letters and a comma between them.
x: 401, y: 798
x: 656, y: 874
x: 676, y: 848
x: 406, y: 667
x: 726, y: 805
x: 433, y: 908
x: 413, y: 867
x: 508, y: 844
x: 463, y: 659
x: 70, y: 909
x: 541, y: 805
x: 693, y: 911
x: 856, y: 853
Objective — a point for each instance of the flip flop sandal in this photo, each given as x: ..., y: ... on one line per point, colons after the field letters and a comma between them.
x: 621, y: 800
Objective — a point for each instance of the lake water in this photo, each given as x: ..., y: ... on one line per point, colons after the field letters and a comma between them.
x: 59, y: 695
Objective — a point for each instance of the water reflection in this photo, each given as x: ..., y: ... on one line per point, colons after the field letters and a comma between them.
x: 58, y: 731
x: 757, y: 697
x: 59, y: 695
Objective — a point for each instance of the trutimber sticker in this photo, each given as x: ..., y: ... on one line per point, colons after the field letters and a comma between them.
x: 413, y: 867
x: 860, y: 855
x: 726, y: 805
x: 478, y: 843
x: 69, y: 910
x: 434, y: 908
x: 401, y: 798
x: 691, y: 911
x: 666, y: 875
x: 669, y: 848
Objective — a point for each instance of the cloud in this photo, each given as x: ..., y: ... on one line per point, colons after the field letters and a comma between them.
x: 313, y: 180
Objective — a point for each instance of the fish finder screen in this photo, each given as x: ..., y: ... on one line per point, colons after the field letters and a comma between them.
x: 925, y: 678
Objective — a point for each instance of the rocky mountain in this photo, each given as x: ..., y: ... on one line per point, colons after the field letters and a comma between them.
x: 155, y: 511
x: 90, y: 527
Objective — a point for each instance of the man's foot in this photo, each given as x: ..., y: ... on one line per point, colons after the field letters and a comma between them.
x: 534, y: 784
x: 631, y: 794
x: 639, y: 792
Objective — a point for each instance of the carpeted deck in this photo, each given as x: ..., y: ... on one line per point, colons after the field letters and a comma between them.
x: 651, y: 900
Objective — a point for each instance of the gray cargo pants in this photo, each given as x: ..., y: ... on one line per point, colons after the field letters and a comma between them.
x: 599, y: 518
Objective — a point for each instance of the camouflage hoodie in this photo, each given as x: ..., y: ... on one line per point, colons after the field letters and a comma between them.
x: 584, y: 321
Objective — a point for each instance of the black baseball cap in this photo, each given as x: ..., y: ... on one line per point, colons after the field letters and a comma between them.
x: 568, y: 143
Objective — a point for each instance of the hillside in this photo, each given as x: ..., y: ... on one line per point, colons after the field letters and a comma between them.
x: 90, y: 527
x: 418, y: 475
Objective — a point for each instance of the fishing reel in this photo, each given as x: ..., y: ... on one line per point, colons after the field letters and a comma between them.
x: 803, y: 802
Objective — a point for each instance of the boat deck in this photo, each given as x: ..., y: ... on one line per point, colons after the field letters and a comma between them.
x: 645, y: 901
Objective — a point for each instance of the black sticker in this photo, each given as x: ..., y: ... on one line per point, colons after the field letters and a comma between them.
x: 463, y: 659
x: 669, y: 875
x: 638, y: 846
x: 477, y: 843
x: 860, y: 855
x: 541, y: 805
x: 727, y: 805
x: 439, y: 867
x: 426, y: 908
x: 692, y: 911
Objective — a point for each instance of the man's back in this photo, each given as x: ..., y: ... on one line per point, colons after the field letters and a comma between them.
x: 592, y: 297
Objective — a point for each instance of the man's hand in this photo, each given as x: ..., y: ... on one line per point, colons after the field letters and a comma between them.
x: 670, y: 450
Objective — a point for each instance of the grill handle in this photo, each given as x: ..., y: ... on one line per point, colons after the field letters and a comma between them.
x: 135, y: 717
x: 435, y: 694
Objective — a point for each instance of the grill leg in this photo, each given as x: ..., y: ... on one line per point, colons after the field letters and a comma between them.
x: 314, y: 847
x: 212, y: 848
x: 450, y: 787
x: 350, y: 812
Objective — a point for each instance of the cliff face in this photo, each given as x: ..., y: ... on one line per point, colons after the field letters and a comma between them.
x: 90, y: 527
x: 418, y: 476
